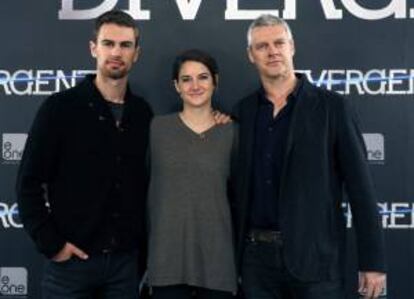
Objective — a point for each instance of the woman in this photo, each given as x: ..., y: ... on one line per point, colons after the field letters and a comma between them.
x: 190, y: 231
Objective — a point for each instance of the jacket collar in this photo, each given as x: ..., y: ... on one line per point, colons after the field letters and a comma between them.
x: 306, y: 103
x: 88, y: 85
x: 91, y: 96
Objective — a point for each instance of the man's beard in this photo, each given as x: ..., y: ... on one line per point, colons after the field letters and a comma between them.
x: 116, y: 74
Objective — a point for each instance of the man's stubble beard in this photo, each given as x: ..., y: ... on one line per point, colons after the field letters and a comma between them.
x: 116, y: 74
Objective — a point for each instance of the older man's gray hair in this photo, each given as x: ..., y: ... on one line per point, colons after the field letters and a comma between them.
x: 267, y: 20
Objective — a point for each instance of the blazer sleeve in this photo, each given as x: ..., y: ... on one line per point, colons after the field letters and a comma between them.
x: 36, y: 171
x: 351, y: 154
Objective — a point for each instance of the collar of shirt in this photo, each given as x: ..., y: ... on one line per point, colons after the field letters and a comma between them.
x: 293, y: 96
x: 89, y: 80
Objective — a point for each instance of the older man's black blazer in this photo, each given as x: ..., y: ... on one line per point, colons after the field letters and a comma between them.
x: 325, y: 153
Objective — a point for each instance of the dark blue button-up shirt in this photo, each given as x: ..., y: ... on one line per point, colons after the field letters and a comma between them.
x: 269, y: 149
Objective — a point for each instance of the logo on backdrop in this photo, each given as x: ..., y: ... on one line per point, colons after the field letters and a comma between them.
x: 367, y: 82
x: 394, y: 215
x: 287, y: 9
x: 9, y: 216
x: 12, y: 147
x: 38, y: 82
x: 374, y: 143
x: 342, y: 81
x: 13, y: 282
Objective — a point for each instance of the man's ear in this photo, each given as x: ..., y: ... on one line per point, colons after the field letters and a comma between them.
x: 137, y: 53
x: 249, y: 54
x: 92, y: 48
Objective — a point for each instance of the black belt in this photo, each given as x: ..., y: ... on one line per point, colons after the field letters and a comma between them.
x: 265, y: 236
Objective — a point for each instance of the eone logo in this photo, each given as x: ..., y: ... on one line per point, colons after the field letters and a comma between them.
x: 375, y: 147
x: 13, y: 146
x: 189, y: 9
x: 13, y: 281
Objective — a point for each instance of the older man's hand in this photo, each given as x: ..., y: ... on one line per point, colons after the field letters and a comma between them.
x: 221, y: 118
x: 371, y: 284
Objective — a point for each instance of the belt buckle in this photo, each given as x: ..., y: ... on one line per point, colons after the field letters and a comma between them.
x: 265, y: 236
x: 250, y: 237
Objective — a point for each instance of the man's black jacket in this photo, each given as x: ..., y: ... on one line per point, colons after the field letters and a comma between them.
x: 324, y: 154
x: 82, y: 179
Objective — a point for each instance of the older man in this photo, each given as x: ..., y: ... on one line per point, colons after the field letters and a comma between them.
x: 299, y: 147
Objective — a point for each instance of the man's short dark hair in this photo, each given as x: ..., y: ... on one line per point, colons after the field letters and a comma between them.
x: 197, y: 56
x: 117, y: 17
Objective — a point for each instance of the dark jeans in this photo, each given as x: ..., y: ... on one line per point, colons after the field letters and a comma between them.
x: 106, y: 276
x: 264, y: 276
x: 188, y: 292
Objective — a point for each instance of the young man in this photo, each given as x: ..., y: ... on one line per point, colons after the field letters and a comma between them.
x: 299, y: 147
x: 82, y: 182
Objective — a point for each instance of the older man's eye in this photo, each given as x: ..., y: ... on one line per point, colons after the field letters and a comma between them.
x: 280, y: 43
x: 261, y: 47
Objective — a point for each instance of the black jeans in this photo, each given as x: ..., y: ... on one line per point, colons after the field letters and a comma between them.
x: 264, y: 276
x: 188, y: 292
x: 106, y: 276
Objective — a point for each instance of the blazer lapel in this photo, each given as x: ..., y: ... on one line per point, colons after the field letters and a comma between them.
x: 305, y: 108
x: 250, y: 124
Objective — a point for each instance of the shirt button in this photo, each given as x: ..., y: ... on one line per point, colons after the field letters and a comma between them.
x: 268, y: 182
x: 269, y: 156
x: 270, y: 129
x: 101, y: 117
